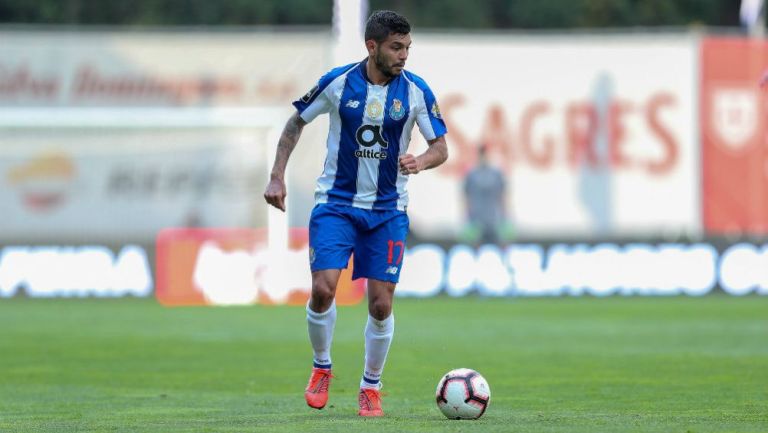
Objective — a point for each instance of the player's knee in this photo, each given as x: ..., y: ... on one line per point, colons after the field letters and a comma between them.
x: 322, y: 297
x: 380, y: 308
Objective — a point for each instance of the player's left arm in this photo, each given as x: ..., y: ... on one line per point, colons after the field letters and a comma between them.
x: 436, y: 154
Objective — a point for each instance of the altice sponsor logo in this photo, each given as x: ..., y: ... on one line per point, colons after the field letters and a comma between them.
x: 369, y: 153
x: 368, y: 136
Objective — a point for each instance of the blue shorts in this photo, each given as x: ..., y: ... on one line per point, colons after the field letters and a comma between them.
x: 377, y: 237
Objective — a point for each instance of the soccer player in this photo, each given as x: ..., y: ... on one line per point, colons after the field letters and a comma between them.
x: 360, y: 197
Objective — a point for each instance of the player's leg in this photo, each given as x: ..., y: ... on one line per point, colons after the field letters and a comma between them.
x: 379, y: 330
x: 321, y: 320
x: 379, y: 256
x: 321, y: 315
x: 331, y: 238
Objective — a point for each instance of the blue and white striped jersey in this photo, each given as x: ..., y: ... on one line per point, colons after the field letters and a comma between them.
x: 370, y: 127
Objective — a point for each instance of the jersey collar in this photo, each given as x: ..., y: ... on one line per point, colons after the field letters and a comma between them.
x: 365, y: 74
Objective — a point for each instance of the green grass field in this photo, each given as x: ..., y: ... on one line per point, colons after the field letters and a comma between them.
x: 554, y: 365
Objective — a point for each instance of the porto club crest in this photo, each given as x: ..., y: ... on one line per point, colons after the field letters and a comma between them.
x: 396, y: 111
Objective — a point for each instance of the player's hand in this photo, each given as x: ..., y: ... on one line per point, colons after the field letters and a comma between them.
x: 409, y: 164
x: 275, y: 193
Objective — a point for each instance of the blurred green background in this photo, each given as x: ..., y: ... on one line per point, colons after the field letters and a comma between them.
x: 493, y: 14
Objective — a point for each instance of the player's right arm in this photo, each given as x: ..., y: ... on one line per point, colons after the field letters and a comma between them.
x: 276, y: 191
x: 315, y: 102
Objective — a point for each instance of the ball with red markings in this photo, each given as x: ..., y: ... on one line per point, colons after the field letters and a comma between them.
x: 463, y: 394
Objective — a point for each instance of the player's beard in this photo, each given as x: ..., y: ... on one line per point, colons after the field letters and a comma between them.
x: 381, y: 65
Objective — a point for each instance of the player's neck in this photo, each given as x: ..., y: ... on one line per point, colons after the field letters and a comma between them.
x: 374, y: 75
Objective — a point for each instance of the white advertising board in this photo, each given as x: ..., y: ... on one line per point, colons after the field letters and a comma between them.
x: 159, y: 68
x: 117, y: 184
x: 597, y: 134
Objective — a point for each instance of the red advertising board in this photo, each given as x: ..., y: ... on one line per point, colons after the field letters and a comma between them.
x: 237, y: 266
x: 734, y: 146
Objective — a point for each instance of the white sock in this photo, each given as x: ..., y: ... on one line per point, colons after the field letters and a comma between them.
x: 378, y: 336
x: 320, y: 327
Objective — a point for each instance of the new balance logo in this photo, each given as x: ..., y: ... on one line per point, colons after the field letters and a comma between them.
x: 391, y: 270
x: 352, y: 103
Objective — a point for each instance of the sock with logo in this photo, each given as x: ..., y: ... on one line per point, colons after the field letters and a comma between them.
x: 320, y: 327
x: 378, y: 336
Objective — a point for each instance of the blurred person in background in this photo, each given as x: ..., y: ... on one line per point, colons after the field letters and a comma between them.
x: 485, y: 188
x: 360, y: 198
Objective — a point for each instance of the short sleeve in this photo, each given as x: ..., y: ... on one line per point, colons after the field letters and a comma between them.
x: 319, y: 99
x: 428, y: 116
x: 313, y: 103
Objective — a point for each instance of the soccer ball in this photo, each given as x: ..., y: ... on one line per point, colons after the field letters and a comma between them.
x: 463, y: 394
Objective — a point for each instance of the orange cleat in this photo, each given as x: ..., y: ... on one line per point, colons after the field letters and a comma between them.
x: 369, y: 400
x: 316, y: 392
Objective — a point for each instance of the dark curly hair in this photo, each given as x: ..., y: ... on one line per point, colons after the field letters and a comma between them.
x: 383, y: 23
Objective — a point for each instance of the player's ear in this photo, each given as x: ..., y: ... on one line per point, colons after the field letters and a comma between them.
x: 370, y: 45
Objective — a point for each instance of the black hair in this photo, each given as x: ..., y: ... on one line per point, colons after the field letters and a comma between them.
x: 381, y: 24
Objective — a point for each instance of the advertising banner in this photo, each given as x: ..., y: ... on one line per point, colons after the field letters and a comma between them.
x: 586, y: 269
x: 239, y: 267
x: 117, y: 184
x: 595, y: 136
x: 75, y: 271
x: 158, y: 68
x: 734, y: 143
x: 128, y: 183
